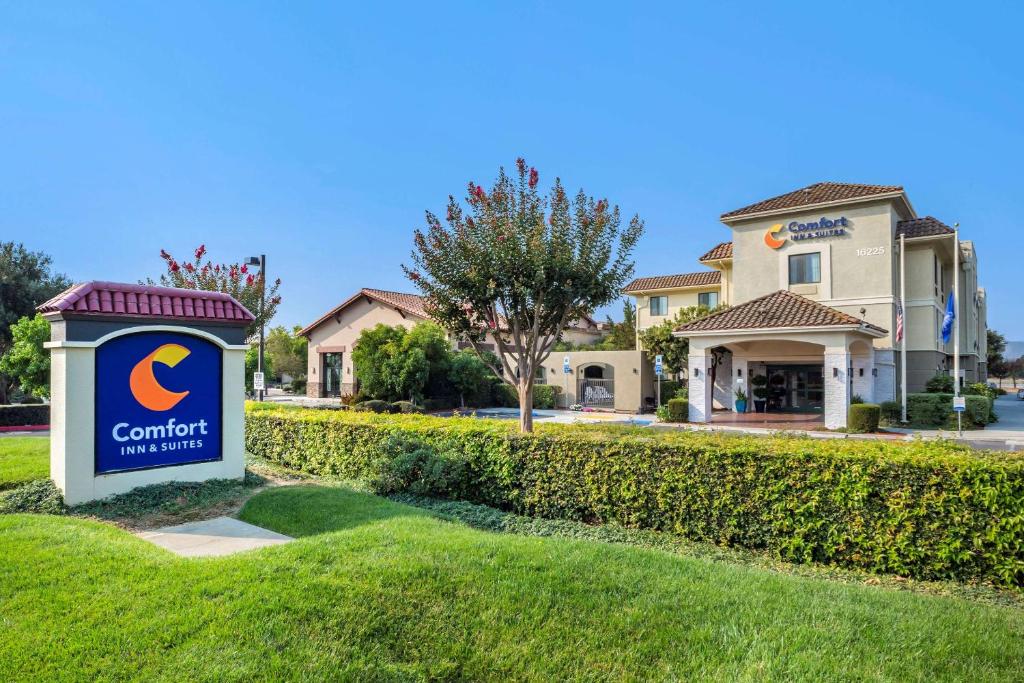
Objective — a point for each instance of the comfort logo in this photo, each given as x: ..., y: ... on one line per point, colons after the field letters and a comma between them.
x: 770, y: 239
x: 146, y: 389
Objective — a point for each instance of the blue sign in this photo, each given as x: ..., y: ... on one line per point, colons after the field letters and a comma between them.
x: 158, y: 401
x: 657, y: 365
x: 565, y: 365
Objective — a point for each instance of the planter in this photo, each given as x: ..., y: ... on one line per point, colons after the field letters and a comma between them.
x: 741, y: 406
x: 759, y: 405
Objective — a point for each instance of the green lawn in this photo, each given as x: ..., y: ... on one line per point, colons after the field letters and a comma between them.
x: 377, y: 590
x: 23, y: 458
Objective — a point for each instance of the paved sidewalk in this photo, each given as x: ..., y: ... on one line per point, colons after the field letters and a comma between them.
x: 213, y: 537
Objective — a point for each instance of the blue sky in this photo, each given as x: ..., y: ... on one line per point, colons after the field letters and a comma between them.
x: 318, y: 133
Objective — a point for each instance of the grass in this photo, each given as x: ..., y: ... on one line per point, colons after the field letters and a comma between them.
x: 23, y: 459
x: 374, y: 589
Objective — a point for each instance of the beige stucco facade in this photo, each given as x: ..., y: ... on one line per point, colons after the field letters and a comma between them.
x: 339, y: 332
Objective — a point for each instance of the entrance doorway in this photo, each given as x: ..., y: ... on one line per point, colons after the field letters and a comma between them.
x: 332, y: 374
x: 796, y: 388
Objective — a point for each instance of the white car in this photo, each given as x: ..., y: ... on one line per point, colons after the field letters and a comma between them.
x: 1020, y: 394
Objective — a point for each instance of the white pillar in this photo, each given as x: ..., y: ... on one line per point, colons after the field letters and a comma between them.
x: 700, y: 389
x: 837, y: 387
x: 863, y: 376
x: 741, y: 380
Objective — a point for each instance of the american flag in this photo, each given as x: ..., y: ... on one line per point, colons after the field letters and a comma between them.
x: 899, y: 323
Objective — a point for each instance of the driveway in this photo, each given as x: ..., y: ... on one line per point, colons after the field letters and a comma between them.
x: 1008, y: 433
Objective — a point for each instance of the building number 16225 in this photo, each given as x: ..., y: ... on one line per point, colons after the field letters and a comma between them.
x: 871, y: 251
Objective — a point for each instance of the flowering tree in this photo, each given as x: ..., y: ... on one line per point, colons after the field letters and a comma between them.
x: 234, y: 279
x: 516, y: 266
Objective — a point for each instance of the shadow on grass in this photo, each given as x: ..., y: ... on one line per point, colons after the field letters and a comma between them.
x: 308, y: 510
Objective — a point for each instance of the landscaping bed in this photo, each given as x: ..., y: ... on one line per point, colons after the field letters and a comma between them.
x: 929, y: 510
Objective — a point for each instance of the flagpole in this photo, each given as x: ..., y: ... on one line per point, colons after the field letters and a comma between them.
x: 903, y: 336
x: 956, y: 321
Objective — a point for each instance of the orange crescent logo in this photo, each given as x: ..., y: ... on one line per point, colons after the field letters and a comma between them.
x: 146, y: 390
x: 769, y: 237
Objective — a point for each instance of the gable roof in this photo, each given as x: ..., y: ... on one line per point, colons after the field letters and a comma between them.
x: 923, y: 227
x: 722, y: 250
x: 411, y: 304
x: 117, y: 299
x: 812, y: 195
x: 704, y: 278
x: 781, y: 309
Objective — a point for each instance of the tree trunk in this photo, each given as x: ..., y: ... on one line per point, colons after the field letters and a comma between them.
x: 525, y: 406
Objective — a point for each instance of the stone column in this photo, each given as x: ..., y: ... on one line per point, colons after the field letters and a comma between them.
x: 863, y: 377
x: 837, y: 386
x: 700, y: 385
x: 741, y: 380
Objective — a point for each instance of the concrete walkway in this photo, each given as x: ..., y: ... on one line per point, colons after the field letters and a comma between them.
x: 213, y: 537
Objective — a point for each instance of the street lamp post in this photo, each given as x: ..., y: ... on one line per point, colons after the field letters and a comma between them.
x: 261, y: 263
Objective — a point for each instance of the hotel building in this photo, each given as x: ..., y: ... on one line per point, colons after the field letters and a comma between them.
x: 812, y: 284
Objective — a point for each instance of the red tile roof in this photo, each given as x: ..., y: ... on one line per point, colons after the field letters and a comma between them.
x: 412, y: 304
x: 923, y: 227
x: 704, y: 278
x: 818, y: 193
x: 718, y: 252
x: 779, y: 309
x: 146, y: 301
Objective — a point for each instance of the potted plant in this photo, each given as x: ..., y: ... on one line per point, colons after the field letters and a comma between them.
x: 741, y: 401
x: 760, y: 383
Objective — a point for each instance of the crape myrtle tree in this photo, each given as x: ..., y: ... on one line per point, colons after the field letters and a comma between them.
x: 518, y: 265
x: 234, y: 279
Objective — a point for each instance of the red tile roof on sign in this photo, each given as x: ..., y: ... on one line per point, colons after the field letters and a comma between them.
x: 702, y: 279
x: 781, y: 309
x: 117, y: 299
x: 818, y: 193
x: 718, y: 252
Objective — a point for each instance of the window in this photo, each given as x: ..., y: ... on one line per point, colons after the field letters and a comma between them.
x: 804, y: 268
x: 659, y: 305
x: 708, y: 299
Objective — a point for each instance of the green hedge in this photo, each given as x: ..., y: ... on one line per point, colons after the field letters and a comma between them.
x: 24, y: 415
x: 545, y: 396
x: 862, y: 418
x: 678, y: 410
x: 936, y: 410
x: 931, y: 510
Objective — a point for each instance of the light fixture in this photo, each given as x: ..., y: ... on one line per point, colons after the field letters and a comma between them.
x: 739, y: 372
x: 874, y: 372
x: 835, y: 372
x: 861, y: 374
x: 696, y: 372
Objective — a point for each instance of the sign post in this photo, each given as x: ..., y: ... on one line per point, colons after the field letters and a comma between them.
x: 257, y: 381
x: 147, y: 386
x: 959, y: 406
x: 658, y: 372
x: 565, y: 372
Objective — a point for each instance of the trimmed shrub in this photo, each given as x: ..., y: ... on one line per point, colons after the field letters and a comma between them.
x: 405, y: 407
x: 407, y: 464
x: 40, y: 497
x: 24, y: 415
x: 939, y: 384
x: 670, y: 389
x: 678, y: 410
x: 545, y: 396
x: 936, y: 410
x: 863, y: 418
x: 298, y: 385
x: 924, y: 509
x: 373, y: 406
x: 891, y: 412
x: 855, y: 399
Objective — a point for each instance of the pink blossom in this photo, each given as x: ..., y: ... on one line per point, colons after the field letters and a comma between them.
x: 200, y: 251
x: 245, y: 269
x: 173, y: 266
x: 190, y: 268
x: 479, y: 192
x: 250, y: 280
x: 521, y: 164
x: 164, y: 255
x: 534, y: 177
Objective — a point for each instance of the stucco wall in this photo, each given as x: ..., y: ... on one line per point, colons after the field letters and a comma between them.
x: 677, y: 298
x: 633, y: 375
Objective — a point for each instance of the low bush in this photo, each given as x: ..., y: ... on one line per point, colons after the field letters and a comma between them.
x: 890, y: 412
x: 670, y: 389
x: 431, y: 405
x: 545, y: 396
x: 930, y: 510
x: 863, y: 418
x: 936, y: 410
x: 678, y: 410
x: 40, y: 497
x: 373, y: 406
x: 405, y: 407
x: 939, y: 384
x: 297, y: 385
x: 24, y: 415
x: 406, y: 464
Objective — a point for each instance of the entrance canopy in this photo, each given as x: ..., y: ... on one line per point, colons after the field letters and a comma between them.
x: 819, y: 357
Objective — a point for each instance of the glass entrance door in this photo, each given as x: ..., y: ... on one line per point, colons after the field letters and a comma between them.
x: 332, y: 374
x: 796, y: 388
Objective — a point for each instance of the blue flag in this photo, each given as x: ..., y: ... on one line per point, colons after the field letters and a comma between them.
x: 947, y: 320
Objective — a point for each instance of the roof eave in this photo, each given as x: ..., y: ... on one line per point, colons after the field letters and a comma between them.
x: 634, y: 292
x: 869, y: 330
x: 729, y: 220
